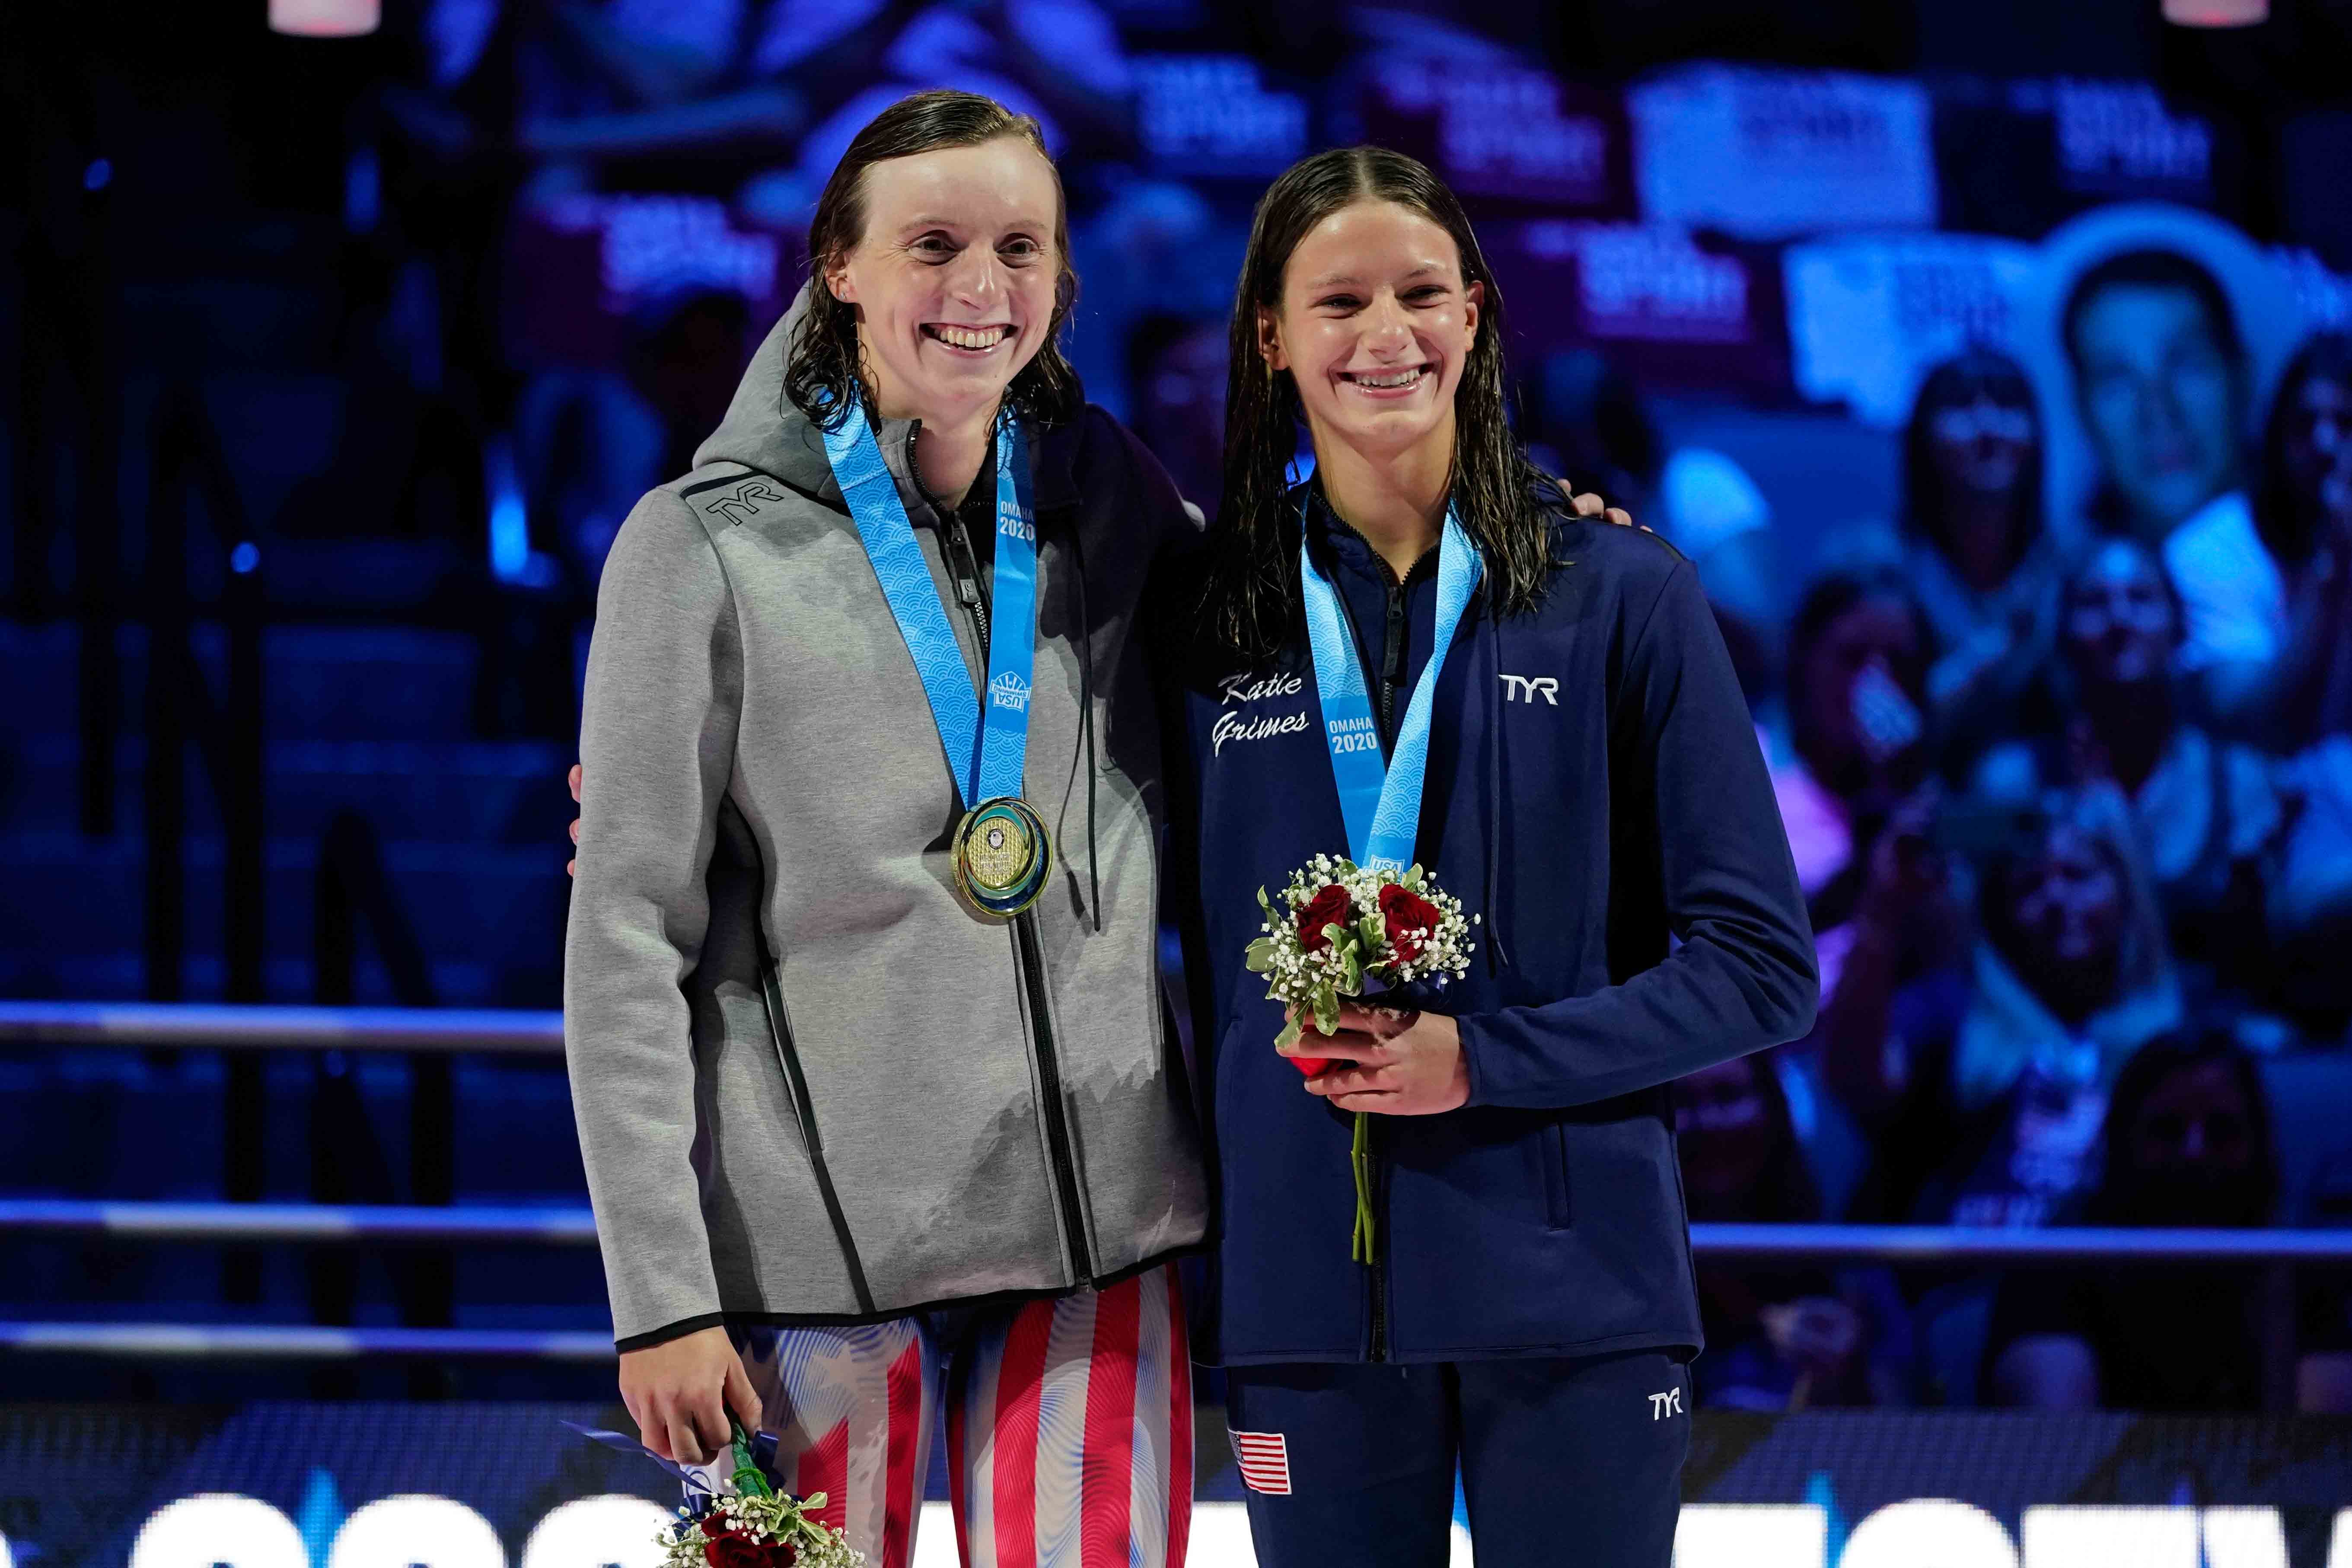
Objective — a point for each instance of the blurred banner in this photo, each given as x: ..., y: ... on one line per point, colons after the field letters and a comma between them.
x: 482, y: 1486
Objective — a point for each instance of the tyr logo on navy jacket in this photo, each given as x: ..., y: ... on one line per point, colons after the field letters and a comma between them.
x: 1546, y: 1217
x: 1528, y: 687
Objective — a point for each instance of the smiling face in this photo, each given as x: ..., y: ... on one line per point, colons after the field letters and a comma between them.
x: 954, y: 278
x: 1375, y: 326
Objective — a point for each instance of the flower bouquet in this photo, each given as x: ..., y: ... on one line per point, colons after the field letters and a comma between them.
x: 754, y: 1526
x: 1334, y: 929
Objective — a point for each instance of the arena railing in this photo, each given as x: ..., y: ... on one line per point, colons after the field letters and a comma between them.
x: 2274, y: 1254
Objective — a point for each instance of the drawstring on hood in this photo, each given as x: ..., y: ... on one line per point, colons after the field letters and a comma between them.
x: 1496, y: 956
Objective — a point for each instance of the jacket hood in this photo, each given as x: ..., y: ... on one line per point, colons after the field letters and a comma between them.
x: 763, y: 430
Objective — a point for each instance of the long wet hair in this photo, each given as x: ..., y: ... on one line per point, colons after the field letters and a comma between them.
x: 823, y: 363
x: 1253, y: 605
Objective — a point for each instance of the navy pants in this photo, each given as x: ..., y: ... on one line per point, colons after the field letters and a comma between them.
x: 1564, y: 1462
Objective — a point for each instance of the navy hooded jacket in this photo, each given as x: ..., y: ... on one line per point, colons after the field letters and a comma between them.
x: 1595, y: 791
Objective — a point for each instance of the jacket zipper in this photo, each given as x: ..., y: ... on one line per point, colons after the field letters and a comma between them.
x: 1392, y: 673
x: 964, y: 568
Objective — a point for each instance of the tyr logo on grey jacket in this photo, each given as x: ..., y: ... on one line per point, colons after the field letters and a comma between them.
x: 1526, y: 688
x: 743, y: 503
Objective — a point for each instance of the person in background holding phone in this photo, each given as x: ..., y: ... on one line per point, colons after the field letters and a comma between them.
x: 1854, y: 790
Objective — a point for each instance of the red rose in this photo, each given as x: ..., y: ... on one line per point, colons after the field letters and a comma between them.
x: 1410, y: 921
x: 1328, y: 907
x: 731, y: 1550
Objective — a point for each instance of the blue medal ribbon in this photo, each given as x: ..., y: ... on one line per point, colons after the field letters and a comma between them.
x: 1381, y: 801
x: 986, y: 749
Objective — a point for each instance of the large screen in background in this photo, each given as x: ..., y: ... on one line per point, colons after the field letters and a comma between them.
x: 508, y: 1485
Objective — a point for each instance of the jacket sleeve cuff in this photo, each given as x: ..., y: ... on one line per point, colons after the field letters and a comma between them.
x: 1474, y: 1043
x: 668, y: 1331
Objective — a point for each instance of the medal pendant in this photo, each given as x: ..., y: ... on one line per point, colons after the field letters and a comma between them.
x: 1003, y: 857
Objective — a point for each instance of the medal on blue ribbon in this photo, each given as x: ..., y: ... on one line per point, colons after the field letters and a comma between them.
x: 1381, y: 802
x: 1000, y: 853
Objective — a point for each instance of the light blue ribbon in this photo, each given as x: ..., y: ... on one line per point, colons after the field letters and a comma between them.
x: 985, y: 751
x: 1381, y: 801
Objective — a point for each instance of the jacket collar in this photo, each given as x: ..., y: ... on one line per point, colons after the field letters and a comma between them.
x: 803, y: 464
x: 1337, y: 545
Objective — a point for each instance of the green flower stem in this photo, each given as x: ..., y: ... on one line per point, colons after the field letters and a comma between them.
x: 1360, y: 1155
x: 749, y: 1481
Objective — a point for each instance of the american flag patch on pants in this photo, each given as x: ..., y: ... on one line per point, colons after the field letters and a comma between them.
x: 1264, y: 1459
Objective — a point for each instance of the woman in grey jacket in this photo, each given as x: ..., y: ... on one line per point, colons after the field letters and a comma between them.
x: 861, y: 1134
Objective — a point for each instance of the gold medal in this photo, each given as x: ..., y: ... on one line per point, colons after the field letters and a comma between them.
x: 1003, y: 857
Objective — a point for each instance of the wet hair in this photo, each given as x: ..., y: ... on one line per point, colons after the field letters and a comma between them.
x: 2147, y: 1071
x: 1962, y: 380
x: 821, y: 364
x: 2288, y: 523
x: 2153, y: 269
x: 1252, y: 605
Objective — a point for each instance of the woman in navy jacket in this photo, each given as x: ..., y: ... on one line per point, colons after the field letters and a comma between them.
x: 1593, y: 792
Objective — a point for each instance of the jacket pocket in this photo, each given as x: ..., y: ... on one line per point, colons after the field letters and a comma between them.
x: 1554, y: 1138
x: 780, y: 1030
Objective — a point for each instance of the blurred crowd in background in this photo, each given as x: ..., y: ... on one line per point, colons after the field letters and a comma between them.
x: 1989, y: 360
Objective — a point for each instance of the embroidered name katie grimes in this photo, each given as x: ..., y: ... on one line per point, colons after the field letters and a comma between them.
x: 1250, y: 687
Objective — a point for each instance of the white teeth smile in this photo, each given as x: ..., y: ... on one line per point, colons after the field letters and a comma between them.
x: 1387, y: 380
x: 980, y: 339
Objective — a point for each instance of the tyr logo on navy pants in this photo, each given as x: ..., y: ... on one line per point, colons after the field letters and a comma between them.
x: 1351, y: 1463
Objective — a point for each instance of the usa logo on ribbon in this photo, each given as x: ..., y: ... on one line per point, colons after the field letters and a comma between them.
x: 1009, y: 690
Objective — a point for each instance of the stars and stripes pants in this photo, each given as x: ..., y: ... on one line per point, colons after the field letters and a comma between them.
x: 1069, y: 1426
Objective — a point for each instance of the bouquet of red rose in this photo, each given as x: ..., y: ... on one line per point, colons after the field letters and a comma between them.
x: 755, y: 1526
x: 1335, y: 927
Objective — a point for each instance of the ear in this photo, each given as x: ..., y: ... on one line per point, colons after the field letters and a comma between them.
x: 837, y: 283
x: 1474, y: 300
x: 1269, y: 342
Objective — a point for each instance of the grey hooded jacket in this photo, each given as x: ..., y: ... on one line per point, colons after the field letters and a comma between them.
x: 810, y: 1085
